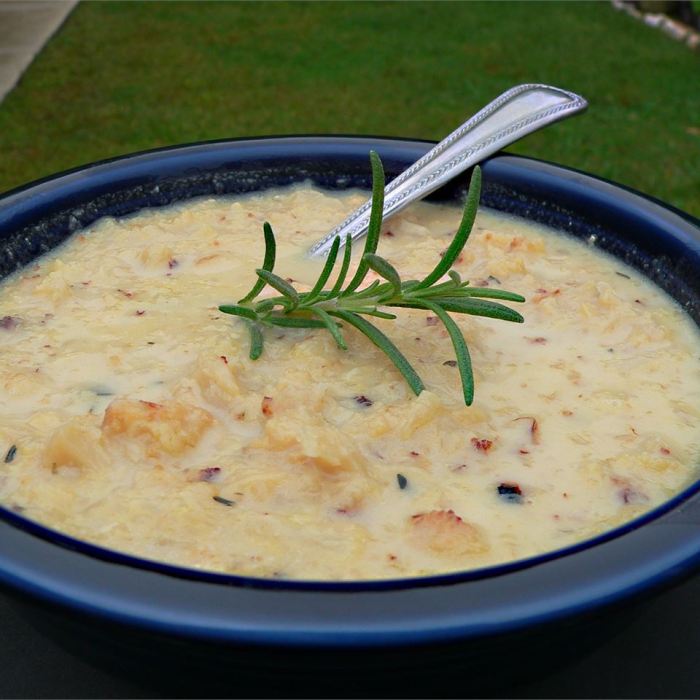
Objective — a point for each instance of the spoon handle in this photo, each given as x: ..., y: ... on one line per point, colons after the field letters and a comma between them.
x: 514, y: 114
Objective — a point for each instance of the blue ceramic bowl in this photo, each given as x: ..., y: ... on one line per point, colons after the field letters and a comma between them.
x: 406, y: 636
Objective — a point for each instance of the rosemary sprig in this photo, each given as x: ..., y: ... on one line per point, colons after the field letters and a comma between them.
x: 348, y: 304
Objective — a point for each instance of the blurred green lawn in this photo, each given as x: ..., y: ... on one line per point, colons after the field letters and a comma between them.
x: 123, y: 76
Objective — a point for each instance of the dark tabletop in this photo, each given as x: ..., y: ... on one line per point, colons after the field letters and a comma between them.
x: 656, y: 655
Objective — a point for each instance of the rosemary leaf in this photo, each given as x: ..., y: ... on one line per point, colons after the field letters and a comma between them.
x: 474, y: 307
x: 375, y: 222
x: 386, y: 346
x: 478, y: 307
x: 490, y: 293
x: 371, y: 311
x: 281, y: 285
x: 369, y: 291
x: 345, y: 265
x: 268, y: 263
x: 237, y: 310
x: 332, y: 327
x: 256, y: 341
x: 325, y: 273
x: 385, y: 269
x: 293, y: 322
x: 464, y: 362
x: 462, y: 235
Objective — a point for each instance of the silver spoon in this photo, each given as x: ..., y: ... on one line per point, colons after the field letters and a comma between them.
x: 514, y: 114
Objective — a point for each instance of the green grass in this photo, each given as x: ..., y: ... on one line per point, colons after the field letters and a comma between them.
x: 121, y: 77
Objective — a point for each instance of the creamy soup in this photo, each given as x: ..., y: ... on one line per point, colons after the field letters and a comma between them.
x: 132, y: 417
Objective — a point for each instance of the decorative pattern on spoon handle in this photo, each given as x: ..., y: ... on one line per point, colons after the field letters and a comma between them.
x: 514, y: 114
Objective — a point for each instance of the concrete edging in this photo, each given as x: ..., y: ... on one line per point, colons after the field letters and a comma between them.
x: 25, y: 27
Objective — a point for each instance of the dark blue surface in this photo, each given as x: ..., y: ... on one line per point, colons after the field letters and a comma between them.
x: 655, y: 656
x: 645, y: 555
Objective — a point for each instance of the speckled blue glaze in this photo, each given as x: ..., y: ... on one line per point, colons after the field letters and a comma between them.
x: 238, y: 625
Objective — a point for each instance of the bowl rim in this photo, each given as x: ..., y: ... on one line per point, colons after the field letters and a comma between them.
x: 685, y: 502
x: 324, y: 137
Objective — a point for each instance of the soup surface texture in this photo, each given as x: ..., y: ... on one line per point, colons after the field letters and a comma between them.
x: 132, y: 417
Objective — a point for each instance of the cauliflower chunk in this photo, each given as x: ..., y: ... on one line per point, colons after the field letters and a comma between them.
x: 216, y: 379
x: 75, y: 446
x: 406, y: 418
x: 171, y: 427
x: 321, y: 445
x: 445, y: 533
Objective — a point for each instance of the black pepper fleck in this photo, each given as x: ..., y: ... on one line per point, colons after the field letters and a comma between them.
x: 510, y: 492
x: 363, y: 401
x: 224, y: 501
x: 402, y: 480
x: 11, y: 454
